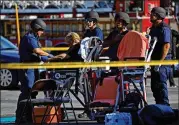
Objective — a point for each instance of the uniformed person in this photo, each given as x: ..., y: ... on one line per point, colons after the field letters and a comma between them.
x: 30, y: 51
x: 112, y: 41
x: 91, y: 20
x: 162, y: 51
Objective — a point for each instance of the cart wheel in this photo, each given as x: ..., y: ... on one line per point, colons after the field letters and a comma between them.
x: 100, y: 120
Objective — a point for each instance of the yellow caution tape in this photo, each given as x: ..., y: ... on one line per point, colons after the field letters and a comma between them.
x: 55, y: 48
x: 59, y: 48
x: 61, y: 65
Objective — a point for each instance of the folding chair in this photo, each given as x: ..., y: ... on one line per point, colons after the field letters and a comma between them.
x: 65, y: 88
x: 55, y: 98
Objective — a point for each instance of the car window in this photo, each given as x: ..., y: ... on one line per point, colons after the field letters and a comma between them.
x: 102, y: 4
x: 6, y: 44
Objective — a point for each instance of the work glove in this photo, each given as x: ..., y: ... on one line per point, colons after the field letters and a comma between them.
x: 44, y: 58
x: 50, y: 56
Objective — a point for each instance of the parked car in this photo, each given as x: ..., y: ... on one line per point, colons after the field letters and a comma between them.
x: 9, y: 54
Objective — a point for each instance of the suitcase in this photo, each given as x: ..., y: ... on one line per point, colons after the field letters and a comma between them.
x: 39, y: 112
x: 118, y: 118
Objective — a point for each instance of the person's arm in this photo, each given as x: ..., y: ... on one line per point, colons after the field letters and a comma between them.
x: 35, y: 48
x: 166, y: 48
x: 167, y: 41
x: 60, y: 56
x: 99, y: 34
x: 40, y: 52
x: 63, y: 56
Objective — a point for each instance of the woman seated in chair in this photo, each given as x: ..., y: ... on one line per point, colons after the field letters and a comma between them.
x: 72, y: 53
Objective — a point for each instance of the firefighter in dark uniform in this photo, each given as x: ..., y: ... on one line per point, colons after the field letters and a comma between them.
x: 29, y: 51
x: 112, y: 41
x: 91, y: 20
x: 162, y: 51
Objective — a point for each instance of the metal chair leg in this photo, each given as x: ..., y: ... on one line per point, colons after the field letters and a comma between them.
x: 74, y: 113
x: 24, y: 109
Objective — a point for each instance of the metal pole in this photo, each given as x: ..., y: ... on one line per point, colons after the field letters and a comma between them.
x: 17, y: 25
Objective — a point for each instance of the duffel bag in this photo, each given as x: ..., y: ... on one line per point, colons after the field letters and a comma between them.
x: 156, y: 114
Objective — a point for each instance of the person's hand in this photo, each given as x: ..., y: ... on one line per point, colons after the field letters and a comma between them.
x: 62, y: 56
x: 52, y: 59
x: 157, y: 68
x: 58, y: 57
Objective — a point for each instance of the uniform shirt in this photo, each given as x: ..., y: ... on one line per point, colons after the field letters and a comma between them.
x: 73, y: 53
x: 27, y: 44
x: 96, y: 32
x: 163, y: 34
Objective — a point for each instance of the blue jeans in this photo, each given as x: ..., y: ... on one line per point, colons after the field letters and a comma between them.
x: 159, y: 84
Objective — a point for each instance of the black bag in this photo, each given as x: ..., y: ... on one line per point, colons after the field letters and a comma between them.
x: 131, y: 105
x: 156, y: 114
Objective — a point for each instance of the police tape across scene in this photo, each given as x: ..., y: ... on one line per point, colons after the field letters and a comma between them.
x: 63, y: 65
x: 60, y: 48
x: 55, y: 48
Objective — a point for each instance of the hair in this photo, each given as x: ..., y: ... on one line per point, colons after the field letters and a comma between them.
x: 71, y: 36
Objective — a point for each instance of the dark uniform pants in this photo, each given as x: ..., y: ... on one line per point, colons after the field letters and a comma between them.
x: 27, y: 78
x: 159, y: 84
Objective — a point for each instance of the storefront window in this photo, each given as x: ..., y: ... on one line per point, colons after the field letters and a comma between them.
x: 134, y: 5
x: 74, y: 28
x: 48, y: 29
x: 10, y: 29
x: 55, y: 28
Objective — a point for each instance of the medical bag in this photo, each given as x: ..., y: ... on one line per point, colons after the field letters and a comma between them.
x: 118, y: 118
